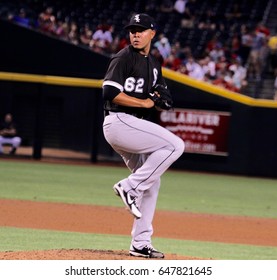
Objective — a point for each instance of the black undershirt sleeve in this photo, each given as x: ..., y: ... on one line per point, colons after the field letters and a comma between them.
x: 110, y: 92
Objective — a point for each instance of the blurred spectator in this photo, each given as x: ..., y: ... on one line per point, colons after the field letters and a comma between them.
x: 239, y: 74
x: 86, y: 35
x: 217, y: 52
x: 119, y: 42
x: 180, y: 6
x: 102, y: 39
x: 231, y: 76
x: 176, y: 58
x: 46, y: 19
x: 255, y: 55
x: 262, y: 30
x: 194, y: 69
x: 163, y: 46
x: 62, y: 30
x: 8, y: 134
x: 209, y: 68
x: 22, y: 19
x: 229, y: 82
x: 221, y: 65
x: 172, y: 62
x: 246, y: 43
x: 73, y: 34
x: 222, y: 77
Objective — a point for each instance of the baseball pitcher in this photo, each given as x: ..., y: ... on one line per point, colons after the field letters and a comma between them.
x: 133, y: 87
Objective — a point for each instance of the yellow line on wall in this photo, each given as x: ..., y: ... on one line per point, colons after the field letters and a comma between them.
x: 172, y: 75
x: 53, y: 80
x: 186, y: 80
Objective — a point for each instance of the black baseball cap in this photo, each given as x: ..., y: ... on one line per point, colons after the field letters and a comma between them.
x: 141, y: 20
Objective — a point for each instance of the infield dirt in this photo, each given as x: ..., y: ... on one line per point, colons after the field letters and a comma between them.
x: 113, y: 220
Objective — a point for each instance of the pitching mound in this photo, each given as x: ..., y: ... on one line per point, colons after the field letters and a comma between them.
x: 76, y: 254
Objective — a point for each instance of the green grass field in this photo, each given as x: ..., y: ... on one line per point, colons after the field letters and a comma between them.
x: 180, y: 191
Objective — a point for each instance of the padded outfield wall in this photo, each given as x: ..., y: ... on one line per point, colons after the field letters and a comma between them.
x: 59, y: 105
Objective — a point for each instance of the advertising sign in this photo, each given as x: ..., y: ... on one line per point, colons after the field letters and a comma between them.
x: 204, y: 132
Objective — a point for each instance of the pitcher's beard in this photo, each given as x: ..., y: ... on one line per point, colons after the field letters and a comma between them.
x: 140, y: 50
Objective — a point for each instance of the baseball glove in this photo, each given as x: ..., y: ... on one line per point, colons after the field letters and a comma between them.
x: 161, y: 97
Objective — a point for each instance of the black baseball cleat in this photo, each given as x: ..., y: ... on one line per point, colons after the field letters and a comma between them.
x: 146, y: 252
x: 129, y: 200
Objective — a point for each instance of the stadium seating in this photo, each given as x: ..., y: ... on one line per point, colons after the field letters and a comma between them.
x: 230, y: 14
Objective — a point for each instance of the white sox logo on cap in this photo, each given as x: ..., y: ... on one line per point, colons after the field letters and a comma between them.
x: 137, y: 19
x: 141, y: 20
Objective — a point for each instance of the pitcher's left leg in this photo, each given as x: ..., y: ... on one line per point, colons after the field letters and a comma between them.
x: 142, y: 228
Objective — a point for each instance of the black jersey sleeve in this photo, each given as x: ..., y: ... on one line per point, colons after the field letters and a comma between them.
x: 117, y: 72
x: 110, y: 92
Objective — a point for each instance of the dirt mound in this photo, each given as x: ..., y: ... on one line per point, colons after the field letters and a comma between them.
x: 77, y: 254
